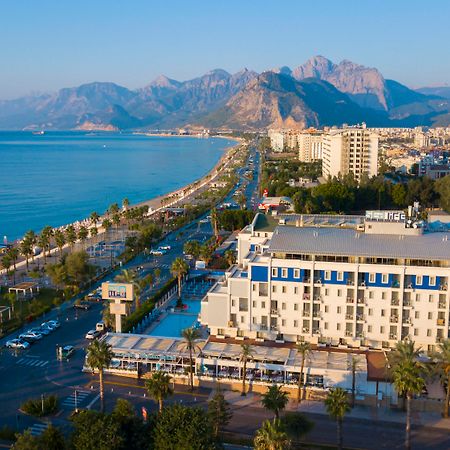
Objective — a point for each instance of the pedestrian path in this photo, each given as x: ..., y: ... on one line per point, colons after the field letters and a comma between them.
x: 32, y: 362
x: 76, y: 400
x: 38, y: 428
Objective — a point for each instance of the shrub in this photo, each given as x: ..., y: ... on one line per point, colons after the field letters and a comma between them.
x: 7, y: 433
x: 39, y: 408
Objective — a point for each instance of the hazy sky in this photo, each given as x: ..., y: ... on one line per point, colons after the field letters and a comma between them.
x: 49, y: 44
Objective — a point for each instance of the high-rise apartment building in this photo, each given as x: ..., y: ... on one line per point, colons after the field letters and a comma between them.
x: 350, y: 150
x: 309, y: 144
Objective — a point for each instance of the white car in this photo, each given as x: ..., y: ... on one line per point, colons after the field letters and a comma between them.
x: 55, y: 323
x: 17, y: 343
x: 164, y: 247
x: 92, y: 334
x: 30, y: 336
x: 157, y: 252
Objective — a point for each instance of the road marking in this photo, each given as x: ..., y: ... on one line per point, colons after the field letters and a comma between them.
x: 38, y: 428
x: 93, y: 401
x: 27, y: 361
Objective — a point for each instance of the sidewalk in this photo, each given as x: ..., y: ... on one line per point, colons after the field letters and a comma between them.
x: 382, y: 414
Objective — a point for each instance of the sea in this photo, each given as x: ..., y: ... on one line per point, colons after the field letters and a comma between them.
x: 58, y: 178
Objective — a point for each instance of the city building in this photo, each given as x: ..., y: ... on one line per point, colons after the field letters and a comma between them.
x: 277, y: 140
x: 357, y: 281
x: 350, y: 150
x: 309, y: 144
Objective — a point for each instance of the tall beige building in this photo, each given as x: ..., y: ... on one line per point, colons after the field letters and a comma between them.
x: 350, y: 150
x: 309, y: 145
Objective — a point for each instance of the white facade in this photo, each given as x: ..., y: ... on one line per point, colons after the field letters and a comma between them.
x: 323, y: 286
x: 350, y: 150
x: 277, y: 140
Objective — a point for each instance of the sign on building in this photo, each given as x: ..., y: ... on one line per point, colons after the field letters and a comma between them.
x: 117, y: 291
x: 389, y: 216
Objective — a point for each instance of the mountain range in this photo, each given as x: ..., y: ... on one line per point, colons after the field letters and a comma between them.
x: 316, y: 93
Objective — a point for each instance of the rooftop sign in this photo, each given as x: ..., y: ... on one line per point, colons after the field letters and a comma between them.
x: 389, y: 216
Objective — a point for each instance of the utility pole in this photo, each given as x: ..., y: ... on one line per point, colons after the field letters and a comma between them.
x: 76, y: 401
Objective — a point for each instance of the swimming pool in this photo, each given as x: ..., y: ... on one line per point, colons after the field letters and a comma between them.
x: 174, y: 323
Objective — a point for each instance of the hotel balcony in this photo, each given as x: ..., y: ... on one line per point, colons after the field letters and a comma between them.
x: 306, y: 296
x: 440, y: 322
x: 395, y: 302
x: 348, y: 333
x: 442, y: 305
x: 406, y: 321
x: 393, y: 319
x: 349, y: 300
x: 306, y: 314
x: 393, y: 336
x: 349, y: 317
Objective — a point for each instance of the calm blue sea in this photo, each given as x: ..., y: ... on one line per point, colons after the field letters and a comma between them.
x: 60, y: 177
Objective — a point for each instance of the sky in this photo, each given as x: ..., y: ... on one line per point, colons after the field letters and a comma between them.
x: 46, y: 45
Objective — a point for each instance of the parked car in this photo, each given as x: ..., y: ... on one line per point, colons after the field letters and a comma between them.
x: 17, y: 343
x: 165, y: 247
x: 82, y: 305
x: 30, y: 336
x: 47, y: 326
x: 68, y: 351
x: 92, y: 334
x: 157, y: 252
x: 42, y: 330
x: 94, y: 296
x: 56, y: 323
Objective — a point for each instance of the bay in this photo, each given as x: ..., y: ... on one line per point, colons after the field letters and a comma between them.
x: 60, y: 177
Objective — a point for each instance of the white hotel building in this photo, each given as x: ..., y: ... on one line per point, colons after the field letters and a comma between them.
x: 337, y: 280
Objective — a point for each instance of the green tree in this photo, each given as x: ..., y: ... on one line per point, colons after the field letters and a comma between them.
x: 183, y: 428
x: 115, y: 219
x: 125, y: 203
x: 271, y: 436
x: 190, y: 337
x: 83, y: 234
x: 245, y: 356
x: 215, y: 223
x: 94, y: 218
x: 26, y: 249
x: 305, y: 351
x: 93, y: 232
x: 44, y: 240
x: 275, y: 399
x: 99, y: 355
x: 354, y: 367
x: 441, y: 359
x: 53, y: 439
x: 337, y: 406
x: 26, y: 441
x: 6, y: 263
x: 78, y: 268
x: 399, y: 195
x: 407, y: 377
x: 94, y: 430
x: 71, y: 235
x: 113, y: 209
x: 192, y: 248
x: 179, y: 269
x: 443, y: 189
x: 58, y: 274
x: 158, y: 387
x: 206, y: 253
x: 106, y: 224
x: 60, y: 240
x: 219, y: 412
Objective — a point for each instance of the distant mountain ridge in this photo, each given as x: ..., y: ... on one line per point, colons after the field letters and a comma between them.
x: 316, y: 93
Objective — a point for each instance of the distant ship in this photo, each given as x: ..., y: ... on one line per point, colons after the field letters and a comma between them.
x: 39, y: 132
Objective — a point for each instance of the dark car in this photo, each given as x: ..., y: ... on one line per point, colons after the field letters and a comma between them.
x: 82, y: 305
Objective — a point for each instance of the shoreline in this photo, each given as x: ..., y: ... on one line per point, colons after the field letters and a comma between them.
x: 154, y: 202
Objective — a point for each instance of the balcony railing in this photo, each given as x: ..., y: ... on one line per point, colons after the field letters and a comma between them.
x: 349, y: 300
x: 440, y: 322
x: 349, y: 316
x: 306, y: 314
x: 393, y: 319
x: 348, y: 333
x: 306, y: 296
x: 395, y: 302
x: 442, y: 305
x: 392, y: 335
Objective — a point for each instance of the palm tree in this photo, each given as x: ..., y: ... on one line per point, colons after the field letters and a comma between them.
x: 442, y: 361
x: 31, y: 236
x: 113, y: 209
x: 6, y: 263
x: 93, y: 232
x: 190, y: 336
x: 71, y: 235
x: 206, y: 253
x: 179, y: 269
x: 157, y: 273
x: 158, y: 387
x: 354, y: 367
x: 271, y: 436
x: 125, y: 203
x: 245, y: 355
x: 83, y: 234
x: 106, y: 224
x: 60, y: 240
x: 337, y: 405
x: 407, y: 376
x: 305, y: 350
x: 99, y: 355
x: 230, y: 256
x: 13, y: 253
x: 275, y: 400
x: 215, y: 223
x: 44, y: 240
x: 94, y: 217
x: 26, y: 249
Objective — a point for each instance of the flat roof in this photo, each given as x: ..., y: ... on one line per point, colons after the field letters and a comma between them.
x: 24, y: 286
x: 262, y: 222
x: 341, y: 242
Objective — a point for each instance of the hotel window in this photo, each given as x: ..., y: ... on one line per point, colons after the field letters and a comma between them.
x: 254, y: 320
x: 274, y: 288
x: 432, y: 281
x: 263, y: 305
x: 295, y: 306
x: 382, y: 330
x: 339, y: 309
x: 369, y: 328
x: 416, y: 315
x: 428, y: 333
x: 383, y: 313
x: 372, y: 277
x: 383, y: 296
x: 254, y: 286
x: 340, y: 276
x: 430, y: 316
x: 233, y: 303
x: 325, y: 325
x: 419, y: 280
x: 417, y: 297
x: 370, y: 312
x: 416, y: 332
x: 327, y: 292
x: 326, y: 308
x: 384, y: 278
x: 327, y: 275
x: 338, y: 326
x: 370, y: 294
x: 283, y: 323
x: 274, y: 272
x: 283, y: 306
x: 295, y: 290
x: 296, y: 273
x: 242, y: 319
x: 339, y: 292
x: 431, y: 298
x: 283, y: 289
x: 295, y: 323
x: 284, y: 273
x: 254, y: 304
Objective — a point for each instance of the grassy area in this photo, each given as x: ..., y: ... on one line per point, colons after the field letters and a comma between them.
x: 27, y: 310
